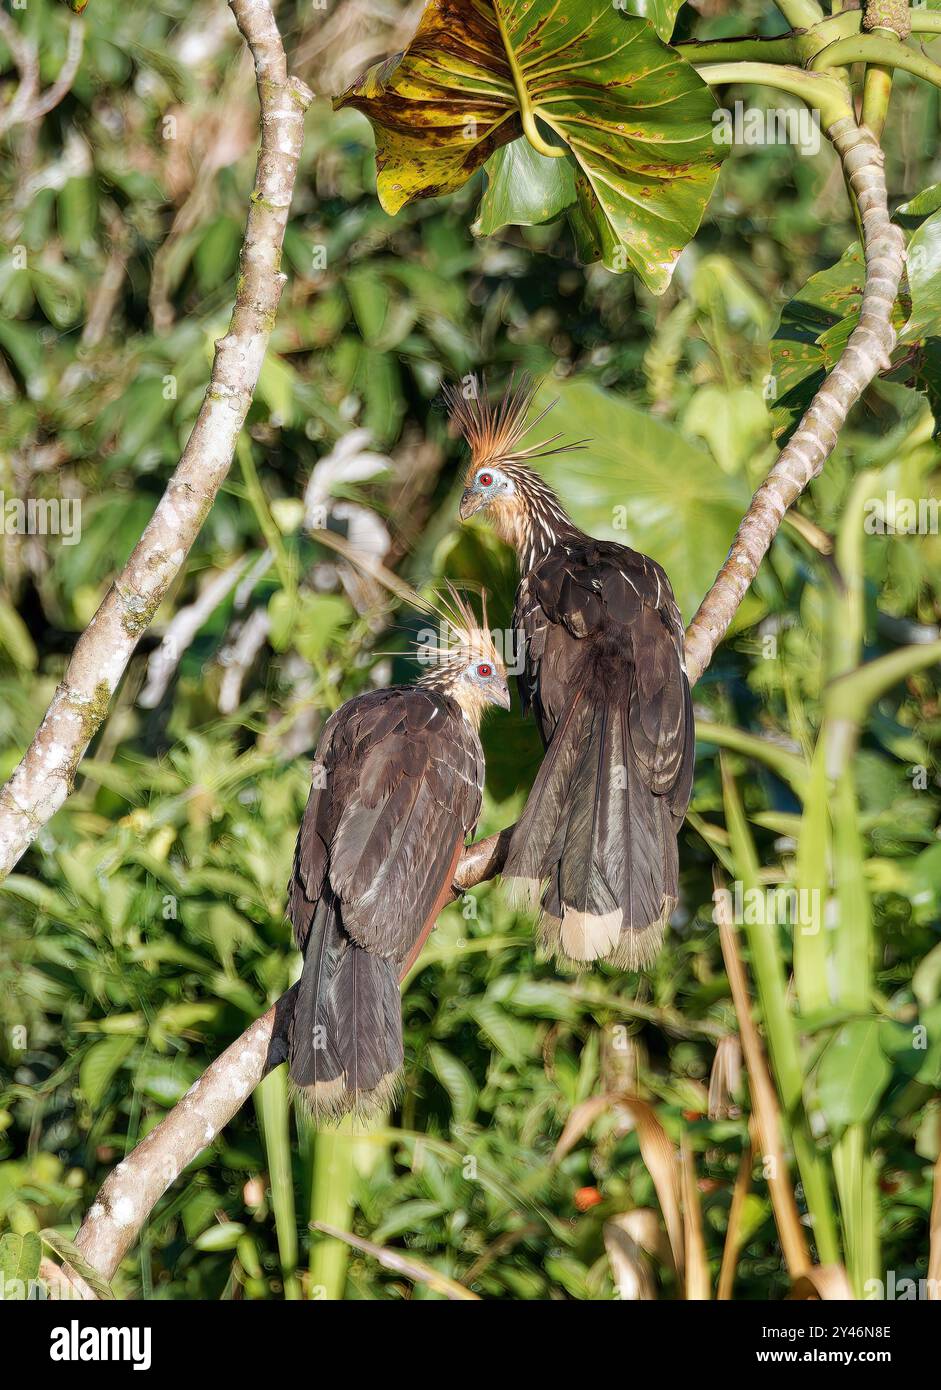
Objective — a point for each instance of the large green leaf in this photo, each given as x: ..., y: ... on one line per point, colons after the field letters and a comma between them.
x: 524, y: 188
x: 852, y: 1075
x: 817, y: 322
x: 921, y: 336
x: 639, y: 481
x: 661, y: 13
x: 634, y: 115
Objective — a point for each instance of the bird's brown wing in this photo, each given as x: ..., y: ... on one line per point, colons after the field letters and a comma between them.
x: 596, y: 612
x: 403, y: 775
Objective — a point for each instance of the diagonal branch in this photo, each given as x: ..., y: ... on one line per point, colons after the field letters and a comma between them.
x: 131, y: 1191
x: 44, y: 778
x: 865, y: 355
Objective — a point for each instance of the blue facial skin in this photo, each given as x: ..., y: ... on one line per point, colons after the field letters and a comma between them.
x: 486, y: 676
x: 487, y: 484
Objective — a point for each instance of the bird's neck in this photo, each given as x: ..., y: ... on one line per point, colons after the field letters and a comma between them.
x: 532, y: 521
x: 469, y: 698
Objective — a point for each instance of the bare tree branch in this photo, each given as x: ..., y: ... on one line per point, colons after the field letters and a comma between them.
x: 26, y: 62
x: 865, y: 355
x: 60, y: 89
x: 134, y: 1187
x: 44, y: 778
x: 28, y: 104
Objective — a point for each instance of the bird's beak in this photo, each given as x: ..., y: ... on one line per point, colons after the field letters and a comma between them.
x: 501, y: 696
x: 471, y: 502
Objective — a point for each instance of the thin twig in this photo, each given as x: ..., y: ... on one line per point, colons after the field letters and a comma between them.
x: 68, y: 72
x: 28, y: 104
x: 764, y: 1100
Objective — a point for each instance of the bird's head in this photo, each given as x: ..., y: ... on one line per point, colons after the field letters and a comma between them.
x: 499, y: 477
x: 485, y: 486
x: 466, y: 663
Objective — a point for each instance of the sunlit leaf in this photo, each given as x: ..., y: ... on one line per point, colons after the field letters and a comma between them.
x: 852, y: 1075
x: 634, y: 115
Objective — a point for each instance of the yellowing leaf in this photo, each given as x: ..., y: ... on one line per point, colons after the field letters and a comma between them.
x: 586, y: 84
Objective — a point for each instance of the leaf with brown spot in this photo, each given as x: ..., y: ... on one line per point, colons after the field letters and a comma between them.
x: 628, y: 112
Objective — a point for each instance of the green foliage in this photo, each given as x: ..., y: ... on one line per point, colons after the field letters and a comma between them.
x: 145, y: 928
x: 816, y: 324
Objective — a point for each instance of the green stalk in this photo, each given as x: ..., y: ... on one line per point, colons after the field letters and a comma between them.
x: 851, y: 696
x: 874, y: 48
x: 830, y: 98
x: 877, y: 91
x: 271, y: 1106
x: 266, y: 524
x: 781, y: 1034
x: 798, y: 47
x: 331, y: 1201
x: 789, y: 766
x: 853, y: 938
x: 854, y: 933
x: 856, y: 1184
x: 846, y: 617
x: 800, y: 14
x: 812, y: 876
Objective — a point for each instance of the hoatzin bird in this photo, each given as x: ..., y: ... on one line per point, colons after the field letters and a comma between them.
x: 397, y: 785
x: 605, y: 676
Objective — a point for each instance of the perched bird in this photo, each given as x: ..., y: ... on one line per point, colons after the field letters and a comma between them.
x: 605, y: 676
x: 397, y: 783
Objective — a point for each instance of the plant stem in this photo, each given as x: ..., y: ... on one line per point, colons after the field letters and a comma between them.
x: 800, y: 14
x: 527, y: 114
x: 877, y: 89
x: 876, y: 48
x: 273, y: 1110
x: 266, y: 522
x: 830, y: 99
x: 785, y: 48
x: 866, y: 354
x: 781, y: 1032
x: 798, y: 47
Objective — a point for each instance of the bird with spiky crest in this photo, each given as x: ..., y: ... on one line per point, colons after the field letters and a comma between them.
x: 605, y: 676
x: 397, y: 782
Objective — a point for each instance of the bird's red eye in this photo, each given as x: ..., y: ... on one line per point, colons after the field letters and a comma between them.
x: 484, y: 669
x: 485, y: 479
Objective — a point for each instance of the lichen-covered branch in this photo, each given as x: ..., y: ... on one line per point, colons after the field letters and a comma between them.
x: 44, y: 778
x: 136, y: 1185
x: 865, y: 355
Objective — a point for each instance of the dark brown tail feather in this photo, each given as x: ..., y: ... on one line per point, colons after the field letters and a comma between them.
x: 346, y: 1032
x: 600, y: 841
